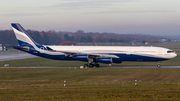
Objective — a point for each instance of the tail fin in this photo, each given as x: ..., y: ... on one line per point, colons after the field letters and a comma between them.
x: 24, y: 39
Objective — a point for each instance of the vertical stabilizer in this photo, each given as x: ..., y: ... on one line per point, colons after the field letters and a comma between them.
x: 23, y: 38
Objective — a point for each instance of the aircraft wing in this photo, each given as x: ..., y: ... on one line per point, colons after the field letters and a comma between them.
x: 91, y: 55
x: 68, y: 52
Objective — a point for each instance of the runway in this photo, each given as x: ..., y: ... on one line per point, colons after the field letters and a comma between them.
x: 78, y: 67
x: 15, y: 56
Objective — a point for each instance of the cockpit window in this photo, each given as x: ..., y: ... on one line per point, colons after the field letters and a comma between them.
x: 170, y: 51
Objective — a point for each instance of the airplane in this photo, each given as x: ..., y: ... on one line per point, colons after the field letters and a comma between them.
x: 90, y: 54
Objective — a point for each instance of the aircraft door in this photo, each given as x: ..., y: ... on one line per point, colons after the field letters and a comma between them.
x: 159, y: 52
x: 128, y: 51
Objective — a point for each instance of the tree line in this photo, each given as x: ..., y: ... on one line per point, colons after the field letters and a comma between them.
x: 57, y: 38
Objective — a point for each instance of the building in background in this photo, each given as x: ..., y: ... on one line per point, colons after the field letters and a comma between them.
x: 2, y: 47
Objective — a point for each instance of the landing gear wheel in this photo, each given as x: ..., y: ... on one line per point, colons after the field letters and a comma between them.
x: 158, y: 65
x: 91, y: 65
x: 85, y: 65
x: 97, y: 65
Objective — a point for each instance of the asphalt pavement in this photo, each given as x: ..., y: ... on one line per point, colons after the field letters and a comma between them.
x: 14, y: 56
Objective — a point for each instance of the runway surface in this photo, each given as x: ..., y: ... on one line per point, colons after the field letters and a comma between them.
x: 15, y: 56
x: 102, y: 67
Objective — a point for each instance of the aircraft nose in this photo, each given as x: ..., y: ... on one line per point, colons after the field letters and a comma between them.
x: 174, y: 55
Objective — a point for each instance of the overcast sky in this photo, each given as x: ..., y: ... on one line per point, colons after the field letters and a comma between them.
x: 117, y: 16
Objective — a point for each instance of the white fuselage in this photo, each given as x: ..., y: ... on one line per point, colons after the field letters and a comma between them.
x: 128, y: 50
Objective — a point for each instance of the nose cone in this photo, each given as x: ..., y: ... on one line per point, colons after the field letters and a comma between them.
x: 174, y: 55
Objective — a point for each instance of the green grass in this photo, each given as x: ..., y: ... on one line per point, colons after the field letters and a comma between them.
x: 47, y: 62
x: 173, y: 62
x: 98, y: 84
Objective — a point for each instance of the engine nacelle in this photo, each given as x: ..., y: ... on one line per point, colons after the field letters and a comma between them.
x: 117, y: 60
x: 81, y: 57
x: 104, y: 60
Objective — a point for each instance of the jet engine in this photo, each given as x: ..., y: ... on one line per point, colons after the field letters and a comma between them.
x: 104, y: 60
x: 81, y: 57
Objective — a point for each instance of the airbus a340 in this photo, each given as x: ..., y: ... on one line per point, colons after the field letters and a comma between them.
x: 91, y: 54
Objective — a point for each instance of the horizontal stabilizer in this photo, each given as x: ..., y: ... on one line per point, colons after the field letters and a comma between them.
x: 19, y: 48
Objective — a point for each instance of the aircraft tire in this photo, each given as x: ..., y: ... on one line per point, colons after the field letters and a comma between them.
x: 91, y: 65
x: 97, y: 65
x: 158, y: 65
x: 85, y: 65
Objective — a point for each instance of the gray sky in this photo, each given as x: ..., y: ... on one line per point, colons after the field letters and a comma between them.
x: 118, y: 16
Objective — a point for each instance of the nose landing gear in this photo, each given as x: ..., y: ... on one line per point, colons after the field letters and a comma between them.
x: 159, y: 64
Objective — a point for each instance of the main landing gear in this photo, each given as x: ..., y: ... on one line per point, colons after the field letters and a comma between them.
x: 90, y: 64
x: 159, y: 64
